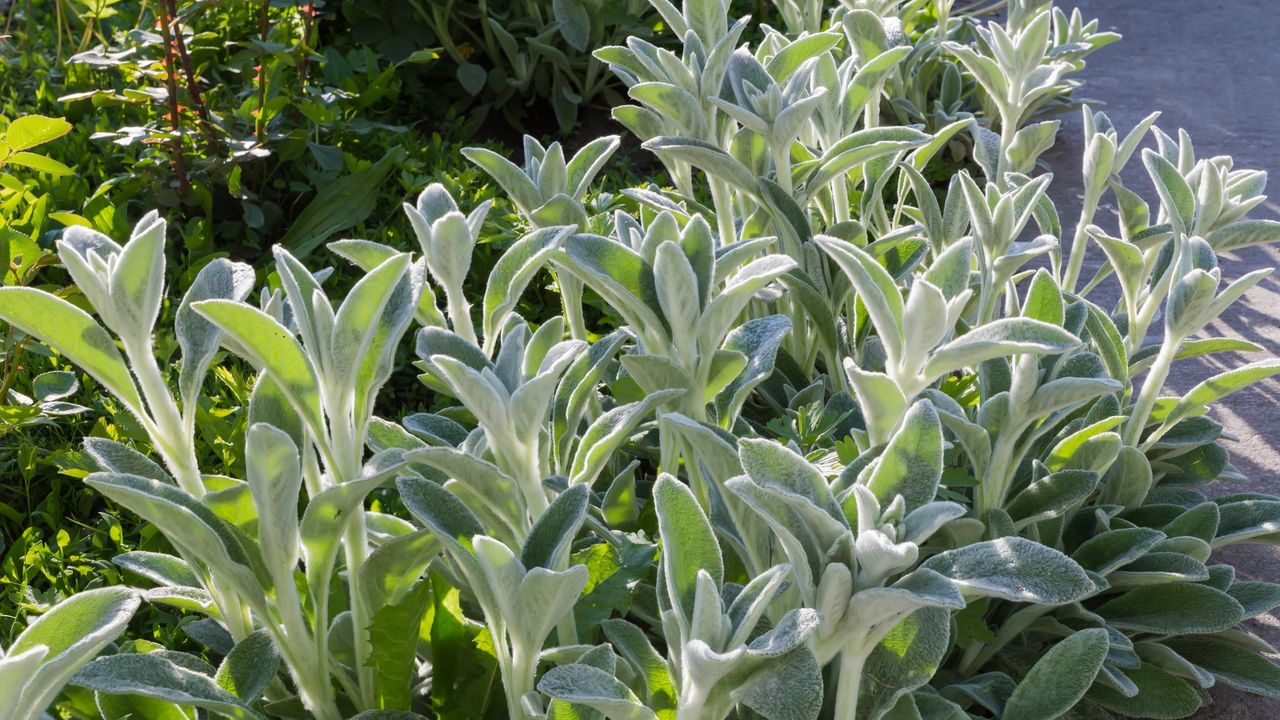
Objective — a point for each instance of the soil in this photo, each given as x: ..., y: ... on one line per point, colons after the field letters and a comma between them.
x: 1209, y: 66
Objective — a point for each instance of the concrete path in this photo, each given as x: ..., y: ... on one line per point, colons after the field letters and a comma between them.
x: 1213, y: 68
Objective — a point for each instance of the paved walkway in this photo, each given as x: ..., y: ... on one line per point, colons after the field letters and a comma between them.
x: 1213, y: 68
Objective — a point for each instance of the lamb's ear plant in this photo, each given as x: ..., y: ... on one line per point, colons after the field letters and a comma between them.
x: 889, y: 468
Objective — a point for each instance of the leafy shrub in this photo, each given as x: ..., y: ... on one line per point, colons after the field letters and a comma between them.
x: 854, y: 448
x: 510, y: 55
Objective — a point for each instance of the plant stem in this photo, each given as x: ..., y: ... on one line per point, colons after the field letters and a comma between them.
x: 355, y: 541
x: 849, y: 685
x: 460, y: 313
x: 1075, y: 260
x: 1151, y: 387
x: 722, y: 201
x: 193, y: 85
x: 995, y: 483
x: 171, y: 84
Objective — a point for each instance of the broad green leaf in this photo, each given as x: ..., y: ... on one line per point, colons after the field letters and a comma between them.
x: 594, y: 688
x: 394, y: 637
x: 512, y: 273
x: 688, y: 543
x: 758, y: 340
x: 789, y: 688
x: 72, y: 332
x: 161, y: 569
x: 29, y: 131
x: 70, y: 635
x: 1221, y: 385
x: 157, y: 677
x: 440, y: 511
x: 198, y: 337
x: 1176, y: 196
x: 1014, y: 569
x: 1244, y: 233
x: 247, y: 670
x: 875, y: 287
x: 911, y: 465
x: 907, y: 657
x: 274, y: 475
x: 709, y: 158
x: 341, y: 204
x: 655, y: 677
x: 187, y: 523
x: 1059, y: 678
x: 1173, y: 608
x: 1001, y: 338
x: 549, y: 539
x: 357, y: 321
x: 1160, y: 695
x: 137, y: 280
x: 1230, y: 663
x: 608, y: 432
x: 272, y: 349
x: 1107, y: 551
x: 1051, y: 496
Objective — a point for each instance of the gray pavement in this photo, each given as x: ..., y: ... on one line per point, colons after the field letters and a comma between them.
x: 1213, y: 68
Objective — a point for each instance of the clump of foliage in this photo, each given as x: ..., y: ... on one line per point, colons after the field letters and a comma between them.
x: 511, y: 55
x: 845, y: 443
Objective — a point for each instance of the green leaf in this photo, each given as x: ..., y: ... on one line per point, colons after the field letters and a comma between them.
x: 1230, y: 663
x: 272, y: 349
x: 549, y: 539
x: 715, y: 162
x: 911, y: 465
x: 1176, y: 196
x: 72, y: 332
x: 904, y: 660
x: 198, y: 337
x: 393, y: 637
x: 247, y: 670
x: 1161, y: 695
x: 1044, y: 299
x: 1173, y: 608
x: 774, y: 466
x: 1059, y: 678
x: 574, y: 22
x: 608, y: 432
x: 1008, y: 336
x: 274, y: 475
x: 1015, y: 569
x: 339, y: 205
x: 688, y: 542
x: 875, y: 287
x: 758, y: 340
x: 1051, y: 496
x: 594, y: 688
x: 1244, y: 233
x: 1107, y: 551
x: 31, y: 130
x: 39, y: 163
x: 512, y: 274
x: 155, y: 676
x: 187, y: 523
x: 631, y: 642
x: 789, y: 688
x: 1220, y: 386
x: 67, y: 636
x: 440, y: 511
x: 357, y: 322
x: 137, y: 280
